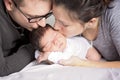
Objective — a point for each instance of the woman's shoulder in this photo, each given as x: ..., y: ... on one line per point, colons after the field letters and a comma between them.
x: 112, y: 13
x: 114, y: 6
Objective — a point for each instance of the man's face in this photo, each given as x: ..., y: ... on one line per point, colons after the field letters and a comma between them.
x: 53, y: 41
x: 30, y: 9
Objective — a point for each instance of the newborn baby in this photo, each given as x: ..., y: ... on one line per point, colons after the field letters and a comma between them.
x: 53, y: 46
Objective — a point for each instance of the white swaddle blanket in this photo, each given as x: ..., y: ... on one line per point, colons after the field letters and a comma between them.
x: 76, y: 46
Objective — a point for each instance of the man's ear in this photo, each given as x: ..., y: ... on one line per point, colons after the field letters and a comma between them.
x: 9, y: 4
x: 92, y: 23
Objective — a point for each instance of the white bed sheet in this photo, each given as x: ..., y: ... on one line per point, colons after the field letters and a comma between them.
x: 58, y: 72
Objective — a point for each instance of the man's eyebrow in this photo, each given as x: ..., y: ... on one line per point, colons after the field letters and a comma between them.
x: 29, y: 15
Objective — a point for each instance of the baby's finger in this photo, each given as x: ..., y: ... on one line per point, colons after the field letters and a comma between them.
x: 41, y: 58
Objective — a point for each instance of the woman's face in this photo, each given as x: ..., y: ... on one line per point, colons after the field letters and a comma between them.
x: 65, y: 24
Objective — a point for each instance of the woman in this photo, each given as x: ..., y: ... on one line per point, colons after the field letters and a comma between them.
x: 96, y: 20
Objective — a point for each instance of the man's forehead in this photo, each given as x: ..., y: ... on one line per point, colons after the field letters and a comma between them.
x: 27, y: 2
x: 36, y: 3
x: 36, y: 8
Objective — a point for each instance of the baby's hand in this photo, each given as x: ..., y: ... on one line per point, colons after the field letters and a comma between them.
x: 43, y: 56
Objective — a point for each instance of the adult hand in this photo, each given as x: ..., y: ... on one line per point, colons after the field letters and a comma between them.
x: 72, y: 61
x: 76, y: 61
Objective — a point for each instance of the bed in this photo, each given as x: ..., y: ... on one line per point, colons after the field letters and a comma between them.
x: 43, y: 71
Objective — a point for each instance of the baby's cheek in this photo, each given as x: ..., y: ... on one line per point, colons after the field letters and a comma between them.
x: 55, y: 48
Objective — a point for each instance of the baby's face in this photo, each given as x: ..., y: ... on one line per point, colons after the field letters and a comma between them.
x: 53, y: 41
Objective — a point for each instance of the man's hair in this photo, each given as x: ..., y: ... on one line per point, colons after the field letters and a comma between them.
x: 36, y: 36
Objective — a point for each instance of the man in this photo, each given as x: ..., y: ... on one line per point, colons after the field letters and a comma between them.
x: 17, y: 18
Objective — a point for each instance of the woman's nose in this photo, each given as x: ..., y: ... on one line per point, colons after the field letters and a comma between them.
x: 42, y: 22
x: 56, y: 26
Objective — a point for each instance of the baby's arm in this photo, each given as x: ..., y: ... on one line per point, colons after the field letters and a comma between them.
x: 52, y: 57
x: 56, y: 56
x: 40, y: 56
x: 92, y: 54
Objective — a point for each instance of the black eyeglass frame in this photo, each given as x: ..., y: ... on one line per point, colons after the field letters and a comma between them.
x: 33, y: 19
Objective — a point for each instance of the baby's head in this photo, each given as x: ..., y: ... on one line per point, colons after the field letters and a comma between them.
x: 47, y: 39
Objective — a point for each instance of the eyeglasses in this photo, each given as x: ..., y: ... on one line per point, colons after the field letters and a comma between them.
x: 33, y: 19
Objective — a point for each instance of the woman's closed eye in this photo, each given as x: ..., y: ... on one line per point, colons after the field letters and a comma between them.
x: 62, y: 23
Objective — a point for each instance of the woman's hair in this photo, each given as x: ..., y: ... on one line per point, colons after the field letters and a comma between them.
x: 83, y: 10
x: 36, y: 36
